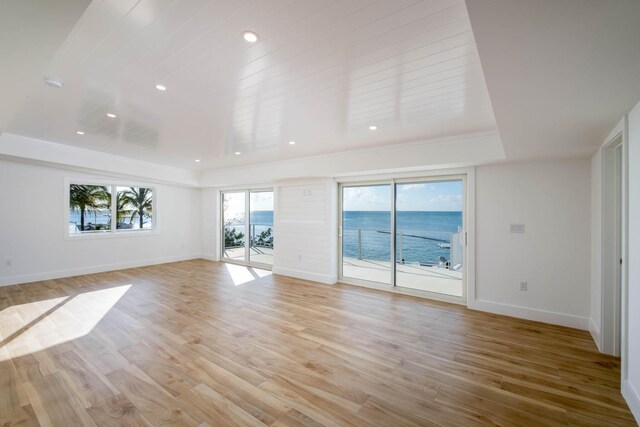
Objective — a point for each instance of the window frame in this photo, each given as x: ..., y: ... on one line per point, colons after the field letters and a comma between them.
x: 114, y: 232
x: 468, y: 175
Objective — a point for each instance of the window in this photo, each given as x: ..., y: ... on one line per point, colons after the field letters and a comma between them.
x: 92, y: 208
x: 134, y: 207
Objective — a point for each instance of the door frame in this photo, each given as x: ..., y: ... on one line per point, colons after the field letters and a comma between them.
x: 613, y: 253
x: 247, y: 225
x: 468, y: 177
x: 363, y: 282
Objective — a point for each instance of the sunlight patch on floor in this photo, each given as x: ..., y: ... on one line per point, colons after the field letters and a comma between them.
x: 241, y: 274
x: 13, y: 318
x: 44, y: 324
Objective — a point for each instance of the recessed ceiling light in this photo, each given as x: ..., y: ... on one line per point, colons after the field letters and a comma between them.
x: 51, y: 82
x: 250, y: 36
x: 373, y: 127
x: 197, y: 160
x: 237, y: 153
x: 111, y: 115
x: 292, y: 143
x: 161, y: 87
x: 80, y: 132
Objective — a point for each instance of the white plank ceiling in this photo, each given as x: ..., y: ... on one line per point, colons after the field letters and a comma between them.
x: 321, y: 73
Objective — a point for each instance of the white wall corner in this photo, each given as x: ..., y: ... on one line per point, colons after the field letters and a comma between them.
x: 554, y: 318
x: 595, y: 334
x: 210, y: 257
x: 632, y: 397
x: 329, y: 279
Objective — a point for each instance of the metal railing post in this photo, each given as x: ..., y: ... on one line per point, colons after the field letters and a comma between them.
x: 400, y: 244
x: 253, y: 233
x: 359, y: 243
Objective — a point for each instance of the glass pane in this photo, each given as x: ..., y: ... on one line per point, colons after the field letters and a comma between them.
x: 366, y: 233
x: 90, y: 209
x: 134, y: 206
x: 233, y: 217
x: 261, y: 227
x: 429, y: 249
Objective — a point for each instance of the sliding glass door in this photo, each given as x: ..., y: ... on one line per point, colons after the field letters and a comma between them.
x: 366, y: 233
x: 234, y: 221
x: 405, y: 234
x: 261, y: 227
x: 247, y: 227
x: 429, y: 255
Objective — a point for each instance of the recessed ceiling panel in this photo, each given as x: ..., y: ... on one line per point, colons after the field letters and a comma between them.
x: 321, y: 73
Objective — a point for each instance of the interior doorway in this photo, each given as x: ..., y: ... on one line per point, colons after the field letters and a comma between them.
x: 612, y: 245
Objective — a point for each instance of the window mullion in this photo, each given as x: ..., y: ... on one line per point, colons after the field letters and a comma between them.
x: 114, y: 209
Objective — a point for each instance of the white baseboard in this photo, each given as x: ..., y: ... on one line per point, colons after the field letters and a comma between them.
x: 49, y: 275
x: 633, y: 399
x: 595, y: 334
x: 299, y: 274
x: 551, y: 317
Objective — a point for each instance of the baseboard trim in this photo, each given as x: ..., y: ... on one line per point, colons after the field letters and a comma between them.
x: 595, y: 334
x: 59, y: 274
x: 209, y: 257
x: 299, y: 274
x: 537, y: 315
x: 633, y: 399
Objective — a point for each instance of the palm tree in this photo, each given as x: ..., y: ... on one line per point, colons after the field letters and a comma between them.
x: 121, y: 211
x: 88, y: 198
x: 141, y: 201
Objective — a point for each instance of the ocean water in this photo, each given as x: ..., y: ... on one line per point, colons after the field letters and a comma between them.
x: 101, y: 217
x: 260, y: 221
x: 421, y: 233
x: 90, y: 217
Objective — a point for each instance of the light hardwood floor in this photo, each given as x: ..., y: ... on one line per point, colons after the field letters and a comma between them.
x: 205, y: 343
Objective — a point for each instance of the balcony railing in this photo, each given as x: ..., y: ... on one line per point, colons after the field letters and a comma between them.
x: 426, y: 248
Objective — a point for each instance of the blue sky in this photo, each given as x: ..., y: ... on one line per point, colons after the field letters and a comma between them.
x: 429, y: 196
x: 260, y: 201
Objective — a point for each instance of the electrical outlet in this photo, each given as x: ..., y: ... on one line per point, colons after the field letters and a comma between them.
x: 8, y: 263
x: 523, y: 286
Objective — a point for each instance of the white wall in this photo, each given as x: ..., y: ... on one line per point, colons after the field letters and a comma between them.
x: 305, y: 230
x: 552, y: 199
x: 210, y: 224
x: 32, y: 229
x: 631, y: 385
x: 595, y: 321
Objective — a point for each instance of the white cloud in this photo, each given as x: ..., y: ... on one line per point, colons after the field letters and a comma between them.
x: 408, y: 187
x: 369, y: 198
x: 262, y: 201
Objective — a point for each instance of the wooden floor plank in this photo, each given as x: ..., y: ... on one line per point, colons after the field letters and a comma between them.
x: 183, y: 345
x: 54, y: 403
x: 117, y: 411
